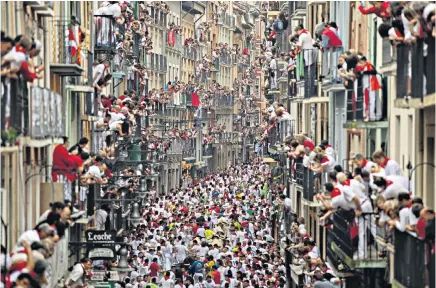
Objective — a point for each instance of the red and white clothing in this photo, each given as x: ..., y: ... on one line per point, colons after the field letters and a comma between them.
x: 391, y: 167
x: 394, y: 186
x: 367, y: 165
x: 342, y: 198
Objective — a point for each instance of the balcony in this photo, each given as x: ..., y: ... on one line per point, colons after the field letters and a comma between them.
x: 411, y: 256
x: 173, y: 42
x: 223, y: 103
x: 193, y: 7
x: 42, y: 8
x: 417, y: 90
x: 201, y: 77
x: 340, y: 242
x: 190, y: 53
x: 207, y: 151
x: 45, y: 118
x: 158, y: 63
x: 297, y: 9
x: 105, y: 39
x: 307, y: 72
x: 189, y: 151
x: 312, y: 183
x: 225, y: 57
x: 329, y: 78
x: 298, y: 171
x: 159, y: 19
x: 367, y: 114
x: 66, y: 57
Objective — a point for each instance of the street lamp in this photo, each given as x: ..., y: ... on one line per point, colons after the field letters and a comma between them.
x: 123, y: 267
x: 411, y: 169
x: 135, y: 216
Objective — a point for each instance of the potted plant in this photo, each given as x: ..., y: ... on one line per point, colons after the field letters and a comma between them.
x: 10, y: 136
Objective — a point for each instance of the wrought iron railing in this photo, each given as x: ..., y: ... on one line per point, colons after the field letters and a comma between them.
x: 307, y: 71
x: 223, y: 101
x: 375, y: 108
x: 207, y: 150
x: 225, y: 57
x: 402, y: 86
x: 105, y: 28
x: 159, y: 18
x: 388, y: 51
x: 298, y: 170
x: 190, y: 53
x: 329, y: 71
x: 343, y: 234
x: 410, y: 260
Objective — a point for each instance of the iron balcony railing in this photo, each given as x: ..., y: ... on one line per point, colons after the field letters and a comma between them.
x: 223, y: 101
x: 411, y: 256
x: 329, y: 70
x: 389, y: 52
x: 312, y: 183
x: 190, y: 53
x: 105, y: 28
x: 364, y: 103
x: 66, y: 51
x: 207, y: 150
x: 342, y: 234
x: 216, y: 64
x: 45, y: 117
x: 414, y: 73
x: 159, y: 18
x: 273, y: 5
x: 189, y: 149
x: 225, y: 57
x: 307, y: 70
x: 297, y: 170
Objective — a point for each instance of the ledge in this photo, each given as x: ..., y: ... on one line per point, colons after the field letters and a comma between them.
x: 388, y: 69
x: 66, y: 69
x: 416, y: 103
x: 358, y: 264
x: 333, y: 87
x: 365, y: 125
x: 315, y: 99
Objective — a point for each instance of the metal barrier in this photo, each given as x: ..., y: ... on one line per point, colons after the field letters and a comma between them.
x: 402, y: 70
x: 307, y: 63
x: 410, y: 263
x: 346, y: 231
x: 105, y: 27
x: 329, y: 71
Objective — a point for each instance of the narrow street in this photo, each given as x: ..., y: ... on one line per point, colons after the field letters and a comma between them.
x: 200, y: 144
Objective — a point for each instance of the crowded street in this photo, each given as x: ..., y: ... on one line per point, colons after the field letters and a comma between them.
x: 200, y: 144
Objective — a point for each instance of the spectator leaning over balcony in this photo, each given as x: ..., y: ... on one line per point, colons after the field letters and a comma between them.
x: 79, y: 146
x: 330, y: 38
x: 404, y: 223
x: 18, y: 59
x: 99, y: 73
x: 379, y: 8
x: 391, y: 167
x: 391, y: 186
x: 366, y: 221
x: 62, y: 165
x: 305, y: 43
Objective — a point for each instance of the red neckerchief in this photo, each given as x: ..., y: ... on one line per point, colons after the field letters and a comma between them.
x: 389, y: 183
x: 20, y: 48
x: 335, y: 192
x: 304, y: 31
x: 409, y: 205
x: 385, y: 163
x: 346, y: 182
x: 364, y: 162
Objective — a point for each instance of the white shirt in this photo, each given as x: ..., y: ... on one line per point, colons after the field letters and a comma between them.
x: 392, y: 168
x: 99, y: 70
x: 95, y: 171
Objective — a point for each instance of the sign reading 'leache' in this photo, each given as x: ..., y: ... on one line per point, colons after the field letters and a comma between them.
x: 100, y: 236
x: 101, y: 244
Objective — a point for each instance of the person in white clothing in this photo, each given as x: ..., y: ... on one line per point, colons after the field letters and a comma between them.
x: 390, y: 166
